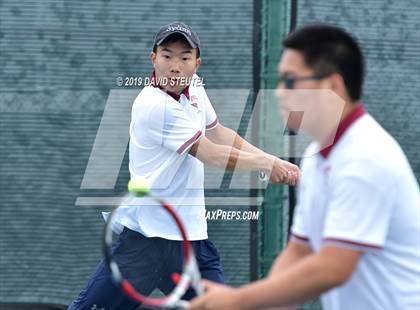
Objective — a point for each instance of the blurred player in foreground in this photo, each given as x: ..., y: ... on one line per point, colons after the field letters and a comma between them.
x: 355, y: 239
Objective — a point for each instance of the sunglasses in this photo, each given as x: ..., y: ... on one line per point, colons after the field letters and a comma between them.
x: 289, y: 82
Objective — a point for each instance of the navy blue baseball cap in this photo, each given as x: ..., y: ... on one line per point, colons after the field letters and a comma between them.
x: 177, y: 27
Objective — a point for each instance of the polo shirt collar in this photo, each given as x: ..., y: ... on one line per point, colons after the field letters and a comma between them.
x: 185, y: 91
x: 354, y: 115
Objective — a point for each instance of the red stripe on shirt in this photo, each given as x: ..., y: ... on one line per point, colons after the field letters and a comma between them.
x: 354, y: 115
x: 212, y: 124
x: 299, y: 237
x: 189, y: 142
x: 354, y: 243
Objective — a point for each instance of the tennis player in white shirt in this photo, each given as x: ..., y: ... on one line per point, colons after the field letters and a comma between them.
x: 355, y: 239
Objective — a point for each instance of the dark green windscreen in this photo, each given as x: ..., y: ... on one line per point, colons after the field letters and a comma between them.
x: 58, y: 62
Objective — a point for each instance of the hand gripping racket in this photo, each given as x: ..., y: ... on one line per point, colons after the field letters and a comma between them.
x: 190, y: 276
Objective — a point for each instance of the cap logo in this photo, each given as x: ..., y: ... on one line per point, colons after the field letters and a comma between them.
x: 179, y: 28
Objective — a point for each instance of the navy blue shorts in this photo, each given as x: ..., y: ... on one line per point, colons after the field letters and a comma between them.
x: 147, y: 263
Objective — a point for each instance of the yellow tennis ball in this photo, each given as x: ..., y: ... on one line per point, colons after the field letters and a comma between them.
x: 140, y: 186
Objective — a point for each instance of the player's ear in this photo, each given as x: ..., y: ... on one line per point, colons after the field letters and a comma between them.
x: 197, y: 63
x: 337, y: 85
x: 152, y: 58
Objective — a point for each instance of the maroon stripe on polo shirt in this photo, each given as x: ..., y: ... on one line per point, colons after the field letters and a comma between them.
x: 212, y: 124
x: 173, y: 95
x: 299, y: 237
x: 189, y: 142
x: 357, y: 112
x: 352, y: 243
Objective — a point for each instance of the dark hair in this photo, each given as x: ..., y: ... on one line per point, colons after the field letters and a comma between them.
x: 176, y: 37
x: 327, y: 49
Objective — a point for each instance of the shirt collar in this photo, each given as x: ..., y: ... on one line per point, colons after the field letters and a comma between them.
x: 154, y: 83
x: 354, y: 115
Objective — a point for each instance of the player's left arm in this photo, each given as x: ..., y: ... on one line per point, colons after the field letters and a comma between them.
x: 304, y: 280
x: 226, y: 136
x: 220, y: 134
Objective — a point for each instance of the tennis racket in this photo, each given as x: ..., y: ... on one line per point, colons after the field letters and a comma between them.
x: 190, y: 276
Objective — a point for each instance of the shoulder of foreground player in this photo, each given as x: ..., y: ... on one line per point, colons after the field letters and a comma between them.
x: 368, y: 146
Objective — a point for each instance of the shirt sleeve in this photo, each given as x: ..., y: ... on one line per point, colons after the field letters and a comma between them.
x: 211, y: 116
x: 176, y: 131
x: 359, y: 213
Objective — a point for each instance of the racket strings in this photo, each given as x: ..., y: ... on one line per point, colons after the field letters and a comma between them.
x: 190, y: 276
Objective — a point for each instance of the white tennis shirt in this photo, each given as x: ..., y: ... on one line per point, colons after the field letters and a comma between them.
x: 362, y: 194
x: 163, y: 128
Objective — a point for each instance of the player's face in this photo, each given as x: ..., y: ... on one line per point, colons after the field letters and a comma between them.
x: 176, y: 63
x: 291, y: 69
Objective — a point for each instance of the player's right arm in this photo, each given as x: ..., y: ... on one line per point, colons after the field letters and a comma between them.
x: 228, y: 157
x: 293, y: 252
x: 226, y: 136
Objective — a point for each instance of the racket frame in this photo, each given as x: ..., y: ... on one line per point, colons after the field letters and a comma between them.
x: 190, y: 272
